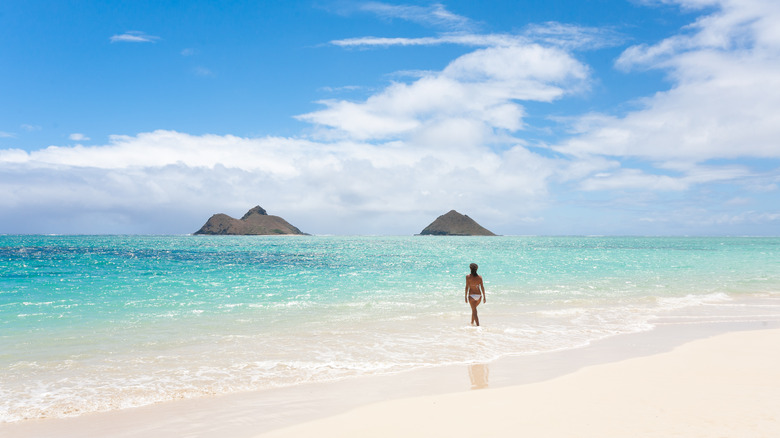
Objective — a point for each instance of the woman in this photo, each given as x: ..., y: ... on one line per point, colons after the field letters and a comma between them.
x: 475, y: 292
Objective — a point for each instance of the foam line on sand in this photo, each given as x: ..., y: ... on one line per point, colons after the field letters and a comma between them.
x: 725, y: 386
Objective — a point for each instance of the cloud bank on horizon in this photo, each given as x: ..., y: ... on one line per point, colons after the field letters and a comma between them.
x: 699, y: 156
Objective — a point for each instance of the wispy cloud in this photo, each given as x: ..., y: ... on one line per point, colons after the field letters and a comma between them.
x: 398, y: 155
x: 435, y: 15
x: 552, y: 34
x: 572, y: 36
x: 4, y: 134
x: 31, y: 128
x: 345, y: 88
x: 78, y: 137
x: 459, y: 39
x: 203, y: 71
x: 134, y: 36
x: 187, y: 52
x: 724, y: 95
x: 475, y: 95
x: 385, y: 189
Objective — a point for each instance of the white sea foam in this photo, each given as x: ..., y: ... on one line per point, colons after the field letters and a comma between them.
x: 176, y: 317
x: 691, y: 300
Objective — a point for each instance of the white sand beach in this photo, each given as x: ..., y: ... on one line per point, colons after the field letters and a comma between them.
x: 724, y: 385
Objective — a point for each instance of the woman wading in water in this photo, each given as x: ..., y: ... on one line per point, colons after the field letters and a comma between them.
x: 475, y: 292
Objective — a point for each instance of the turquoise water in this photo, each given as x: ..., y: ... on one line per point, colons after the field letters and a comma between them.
x: 95, y: 323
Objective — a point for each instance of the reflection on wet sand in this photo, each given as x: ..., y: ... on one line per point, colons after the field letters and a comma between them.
x: 478, y: 373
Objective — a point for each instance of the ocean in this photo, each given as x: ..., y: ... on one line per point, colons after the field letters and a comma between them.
x: 98, y: 323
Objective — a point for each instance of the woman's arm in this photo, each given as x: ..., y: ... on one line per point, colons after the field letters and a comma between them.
x: 466, y: 297
x: 484, y: 295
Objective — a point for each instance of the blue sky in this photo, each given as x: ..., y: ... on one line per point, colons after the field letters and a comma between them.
x: 647, y: 117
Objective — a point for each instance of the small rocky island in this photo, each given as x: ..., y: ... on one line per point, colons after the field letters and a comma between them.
x: 256, y: 222
x: 455, y: 224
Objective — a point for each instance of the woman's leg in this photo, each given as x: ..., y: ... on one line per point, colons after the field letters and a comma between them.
x: 474, y: 317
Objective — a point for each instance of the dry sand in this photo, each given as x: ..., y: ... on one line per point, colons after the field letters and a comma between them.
x: 725, y: 386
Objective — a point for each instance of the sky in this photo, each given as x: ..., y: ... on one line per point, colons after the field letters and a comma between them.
x: 556, y: 117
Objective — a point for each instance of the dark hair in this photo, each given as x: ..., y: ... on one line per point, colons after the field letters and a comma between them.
x: 473, y: 268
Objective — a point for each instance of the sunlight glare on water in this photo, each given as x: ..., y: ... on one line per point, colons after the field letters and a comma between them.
x: 93, y: 323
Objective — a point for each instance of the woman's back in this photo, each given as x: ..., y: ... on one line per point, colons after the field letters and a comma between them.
x: 474, y: 283
x: 475, y: 292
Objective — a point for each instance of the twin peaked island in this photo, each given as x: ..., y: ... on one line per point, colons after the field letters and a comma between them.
x: 257, y: 222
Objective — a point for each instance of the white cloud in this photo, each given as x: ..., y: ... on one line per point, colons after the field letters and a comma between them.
x: 571, y: 36
x: 78, y: 137
x: 400, y: 183
x: 477, y: 92
x: 688, y: 176
x: 134, y: 36
x: 632, y: 179
x: 473, y: 40
x: 449, y: 139
x: 203, y: 71
x: 4, y: 134
x: 550, y: 34
x: 695, y: 219
x: 434, y: 15
x: 31, y: 128
x: 345, y: 88
x: 724, y: 100
x: 743, y: 217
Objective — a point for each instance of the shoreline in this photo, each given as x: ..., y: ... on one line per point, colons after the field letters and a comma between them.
x: 726, y: 385
x: 254, y: 413
x: 140, y: 322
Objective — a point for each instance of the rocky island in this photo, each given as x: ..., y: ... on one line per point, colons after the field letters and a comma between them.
x: 256, y: 222
x: 455, y: 224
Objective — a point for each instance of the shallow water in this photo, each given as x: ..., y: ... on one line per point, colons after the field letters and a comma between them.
x: 94, y: 323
